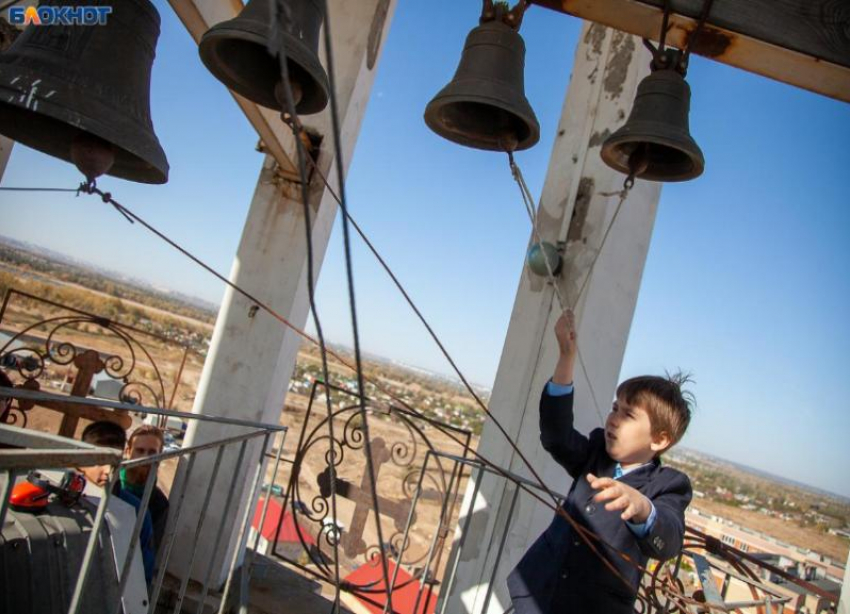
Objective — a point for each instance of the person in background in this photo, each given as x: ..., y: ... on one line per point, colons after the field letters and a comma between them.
x: 107, y: 434
x: 147, y: 440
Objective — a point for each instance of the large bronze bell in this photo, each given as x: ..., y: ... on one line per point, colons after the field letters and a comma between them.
x: 236, y: 52
x: 484, y: 105
x: 655, y: 143
x: 82, y: 93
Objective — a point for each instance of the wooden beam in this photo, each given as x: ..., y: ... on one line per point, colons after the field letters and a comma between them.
x: 199, y: 16
x: 804, y: 43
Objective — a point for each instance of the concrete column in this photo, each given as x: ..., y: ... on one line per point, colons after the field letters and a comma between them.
x: 844, y: 601
x: 578, y: 202
x: 252, y: 356
x: 5, y: 153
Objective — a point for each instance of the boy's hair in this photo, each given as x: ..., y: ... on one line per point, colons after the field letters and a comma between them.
x: 147, y: 429
x: 106, y: 434
x: 668, y: 406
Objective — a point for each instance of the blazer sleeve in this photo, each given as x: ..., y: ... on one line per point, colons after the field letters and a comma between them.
x: 567, y: 446
x: 664, y: 540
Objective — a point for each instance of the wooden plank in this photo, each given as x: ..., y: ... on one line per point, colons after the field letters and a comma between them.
x: 802, y: 43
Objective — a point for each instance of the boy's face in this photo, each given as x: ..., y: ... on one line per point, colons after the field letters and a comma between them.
x: 97, y: 474
x: 142, y: 446
x: 628, y: 435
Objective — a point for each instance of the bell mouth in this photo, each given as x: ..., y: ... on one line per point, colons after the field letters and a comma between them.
x: 661, y: 161
x: 481, y: 125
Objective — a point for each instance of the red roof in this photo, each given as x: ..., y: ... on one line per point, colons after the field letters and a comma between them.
x: 404, y: 595
x: 289, y: 531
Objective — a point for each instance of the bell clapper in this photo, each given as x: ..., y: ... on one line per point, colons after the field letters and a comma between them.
x: 295, y: 88
x: 92, y: 155
x: 508, y: 141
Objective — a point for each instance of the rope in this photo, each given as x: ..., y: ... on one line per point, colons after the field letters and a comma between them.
x: 367, y: 445
x: 530, y: 208
x: 277, y: 44
x: 39, y: 189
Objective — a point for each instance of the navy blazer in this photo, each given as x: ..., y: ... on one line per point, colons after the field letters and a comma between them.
x: 559, y: 574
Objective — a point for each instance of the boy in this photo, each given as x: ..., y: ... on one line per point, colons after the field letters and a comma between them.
x: 146, y: 441
x: 620, y: 492
x: 110, y: 435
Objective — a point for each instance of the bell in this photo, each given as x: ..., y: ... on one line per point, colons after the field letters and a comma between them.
x: 484, y: 105
x: 539, y: 254
x: 237, y: 53
x: 655, y: 142
x: 82, y: 92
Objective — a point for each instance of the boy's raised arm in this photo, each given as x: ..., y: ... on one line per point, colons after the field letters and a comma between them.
x: 565, y: 332
x: 566, y: 445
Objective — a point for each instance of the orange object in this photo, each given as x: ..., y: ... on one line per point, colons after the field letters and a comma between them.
x: 28, y: 497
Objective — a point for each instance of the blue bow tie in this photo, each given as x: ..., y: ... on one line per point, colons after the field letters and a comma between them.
x: 618, y: 471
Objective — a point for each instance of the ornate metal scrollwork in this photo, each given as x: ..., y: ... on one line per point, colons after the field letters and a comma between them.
x: 399, y: 442
x: 31, y: 352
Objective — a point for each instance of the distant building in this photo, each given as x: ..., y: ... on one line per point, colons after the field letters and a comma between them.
x: 809, y: 565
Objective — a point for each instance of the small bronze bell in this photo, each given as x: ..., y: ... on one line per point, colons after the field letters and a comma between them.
x: 655, y: 143
x: 237, y: 53
x: 82, y: 93
x: 484, y: 105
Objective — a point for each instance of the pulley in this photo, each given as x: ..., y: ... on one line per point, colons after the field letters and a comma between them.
x: 484, y: 105
x: 82, y: 93
x: 538, y: 255
x: 237, y: 53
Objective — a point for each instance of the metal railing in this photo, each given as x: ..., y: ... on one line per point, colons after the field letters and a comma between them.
x: 35, y: 450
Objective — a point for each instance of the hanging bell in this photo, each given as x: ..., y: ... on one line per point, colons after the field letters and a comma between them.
x: 655, y: 143
x: 237, y: 53
x: 484, y: 105
x: 82, y: 93
x: 537, y: 258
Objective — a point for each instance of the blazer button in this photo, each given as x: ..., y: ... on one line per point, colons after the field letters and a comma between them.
x: 565, y: 574
x: 576, y: 543
x: 590, y: 508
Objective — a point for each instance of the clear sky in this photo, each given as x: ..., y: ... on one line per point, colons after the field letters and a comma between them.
x: 747, y: 283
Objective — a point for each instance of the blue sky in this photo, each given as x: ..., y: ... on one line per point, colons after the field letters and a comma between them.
x: 747, y: 283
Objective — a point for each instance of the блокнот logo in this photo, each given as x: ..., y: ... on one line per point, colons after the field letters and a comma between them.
x: 59, y: 15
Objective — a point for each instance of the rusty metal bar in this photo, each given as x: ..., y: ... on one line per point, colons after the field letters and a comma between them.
x: 773, y: 569
x: 177, y: 379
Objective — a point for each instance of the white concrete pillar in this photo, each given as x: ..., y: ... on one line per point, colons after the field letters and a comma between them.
x: 6, y: 145
x: 252, y: 355
x: 844, y: 601
x: 578, y: 202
